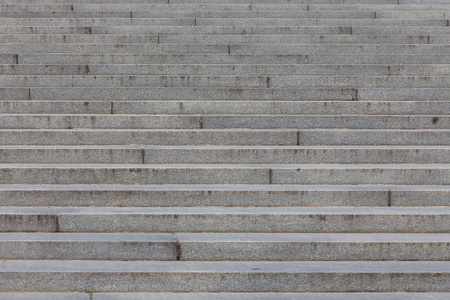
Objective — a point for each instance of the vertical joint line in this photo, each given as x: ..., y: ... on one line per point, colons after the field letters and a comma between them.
x: 298, y: 138
x: 306, y: 59
x: 168, y: 1
x: 307, y: 8
x: 201, y: 122
x: 389, y: 70
x: 351, y: 30
x: 389, y: 197
x: 143, y: 155
x: 88, y: 70
x: 57, y: 220
x: 17, y: 59
x: 158, y: 38
x: 428, y: 39
x: 357, y: 94
x: 179, y: 254
x: 448, y: 23
x: 29, y: 93
x: 131, y: 15
x: 112, y: 108
x: 375, y: 15
x: 90, y: 30
x: 270, y: 176
x: 268, y: 82
x: 71, y: 7
x: 195, y: 22
x: 229, y: 49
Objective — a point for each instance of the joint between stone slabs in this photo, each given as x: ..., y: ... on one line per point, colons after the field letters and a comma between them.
x: 389, y: 70
x: 112, y: 108
x: 389, y: 197
x: 195, y: 22
x: 268, y: 82
x: 158, y: 38
x: 201, y: 122
x: 17, y: 58
x: 375, y: 15
x: 131, y: 15
x: 270, y: 175
x: 29, y: 93
x: 428, y: 39
x: 179, y: 254
x: 298, y: 138
x: 229, y: 49
x: 57, y: 227
x: 142, y: 154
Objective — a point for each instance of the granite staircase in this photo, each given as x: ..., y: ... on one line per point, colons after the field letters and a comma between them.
x: 216, y: 149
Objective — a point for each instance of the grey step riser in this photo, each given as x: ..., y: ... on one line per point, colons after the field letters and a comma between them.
x: 213, y: 80
x: 186, y: 58
x: 236, y: 70
x: 224, y: 39
x: 224, y: 223
x: 210, y: 281
x: 280, y: 22
x: 223, y: 93
x: 222, y: 122
x: 322, y: 2
x: 200, y: 93
x: 225, y: 250
x: 313, y: 50
x: 122, y: 13
x: 355, y: 32
x: 145, y: 174
x: 340, y: 49
x: 379, y: 8
x: 99, y: 39
x: 221, y: 137
x: 218, y: 58
x: 229, y: 156
x: 294, y: 39
x: 219, y: 296
x: 171, y: 31
x: 224, y: 107
x: 225, y: 196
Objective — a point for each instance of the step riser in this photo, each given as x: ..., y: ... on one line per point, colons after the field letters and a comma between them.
x: 186, y: 175
x: 218, y: 222
x: 225, y: 156
x: 272, y: 81
x: 253, y: 281
x: 222, y: 122
x: 430, y: 71
x: 223, y: 107
x: 221, y: 251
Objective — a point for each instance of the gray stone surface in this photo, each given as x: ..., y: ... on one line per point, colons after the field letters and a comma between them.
x: 222, y: 276
x: 78, y: 246
x: 257, y: 219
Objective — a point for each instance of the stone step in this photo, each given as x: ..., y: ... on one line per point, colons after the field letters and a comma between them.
x: 227, y: 219
x: 403, y: 174
x: 243, y: 13
x: 223, y: 195
x: 213, y: 93
x: 355, y: 32
x: 230, y: 22
x: 219, y: 80
x: 224, y: 93
x: 224, y: 137
x: 225, y: 246
x: 134, y: 154
x: 312, y: 247
x: 74, y: 246
x: 394, y: 7
x: 120, y: 121
x: 153, y: 276
x: 329, y: 71
x: 338, y: 49
x: 98, y: 38
x: 400, y: 21
x: 255, y: 39
x: 289, y: 49
x: 220, y: 39
x: 225, y: 107
x: 223, y: 296
x: 221, y: 58
x: 172, y: 58
x: 379, y: 2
